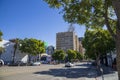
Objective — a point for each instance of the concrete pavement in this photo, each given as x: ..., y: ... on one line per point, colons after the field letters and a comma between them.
x: 81, y: 71
x: 108, y: 74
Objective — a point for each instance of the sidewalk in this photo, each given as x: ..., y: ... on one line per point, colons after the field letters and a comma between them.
x: 108, y: 73
x: 95, y: 74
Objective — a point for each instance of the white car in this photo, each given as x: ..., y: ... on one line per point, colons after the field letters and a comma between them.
x: 68, y: 64
x: 36, y: 64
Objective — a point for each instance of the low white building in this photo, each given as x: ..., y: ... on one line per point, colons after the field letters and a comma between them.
x: 7, y: 55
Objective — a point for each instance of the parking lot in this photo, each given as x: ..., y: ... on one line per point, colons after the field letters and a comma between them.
x: 81, y: 71
x: 43, y: 72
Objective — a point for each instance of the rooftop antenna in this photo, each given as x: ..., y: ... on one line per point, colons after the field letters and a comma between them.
x: 71, y: 28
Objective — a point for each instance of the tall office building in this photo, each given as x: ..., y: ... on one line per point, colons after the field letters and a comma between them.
x: 67, y: 40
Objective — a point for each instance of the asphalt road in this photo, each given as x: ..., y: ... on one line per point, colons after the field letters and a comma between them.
x: 81, y: 71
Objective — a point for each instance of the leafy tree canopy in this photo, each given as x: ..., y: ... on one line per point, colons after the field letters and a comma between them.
x: 98, y: 42
x: 79, y: 55
x: 59, y: 55
x: 87, y: 12
x: 1, y: 35
x: 2, y: 50
x: 71, y: 54
x: 32, y: 46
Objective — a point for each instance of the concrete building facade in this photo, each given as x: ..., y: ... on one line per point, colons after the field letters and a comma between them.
x: 81, y: 49
x: 67, y: 40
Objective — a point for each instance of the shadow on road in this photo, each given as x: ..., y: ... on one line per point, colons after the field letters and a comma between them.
x: 106, y: 70
x: 88, y: 71
x: 70, y: 72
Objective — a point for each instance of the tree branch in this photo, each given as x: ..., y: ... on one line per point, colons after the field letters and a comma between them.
x: 107, y: 21
x: 116, y: 6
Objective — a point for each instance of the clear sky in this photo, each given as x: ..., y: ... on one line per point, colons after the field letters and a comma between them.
x: 32, y: 19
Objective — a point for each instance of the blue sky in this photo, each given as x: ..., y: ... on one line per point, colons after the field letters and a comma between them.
x: 32, y: 19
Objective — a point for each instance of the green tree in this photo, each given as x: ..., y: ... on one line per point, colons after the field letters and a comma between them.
x: 93, y: 13
x: 79, y: 55
x: 1, y: 48
x: 16, y: 44
x: 58, y: 55
x: 1, y: 51
x: 1, y: 35
x: 71, y: 54
x: 31, y: 46
x: 97, y: 43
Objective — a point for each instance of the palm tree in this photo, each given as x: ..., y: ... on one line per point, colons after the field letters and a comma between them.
x: 1, y: 48
x: 1, y: 35
x: 16, y: 42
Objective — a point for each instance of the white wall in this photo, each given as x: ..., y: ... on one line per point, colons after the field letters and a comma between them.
x: 8, y: 54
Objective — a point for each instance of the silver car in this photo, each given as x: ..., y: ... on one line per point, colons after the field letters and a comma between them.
x: 36, y: 63
x: 68, y: 64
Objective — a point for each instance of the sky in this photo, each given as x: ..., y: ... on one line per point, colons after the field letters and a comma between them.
x: 32, y: 19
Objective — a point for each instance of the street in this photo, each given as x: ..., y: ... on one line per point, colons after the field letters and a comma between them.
x: 81, y: 71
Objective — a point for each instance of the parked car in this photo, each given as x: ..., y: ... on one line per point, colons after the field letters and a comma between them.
x: 36, y: 63
x: 68, y: 64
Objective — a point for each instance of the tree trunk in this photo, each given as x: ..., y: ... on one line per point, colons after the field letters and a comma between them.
x: 98, y: 61
x: 39, y: 56
x: 29, y: 58
x: 118, y: 52
x: 0, y: 55
x: 116, y: 6
x: 13, y: 57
